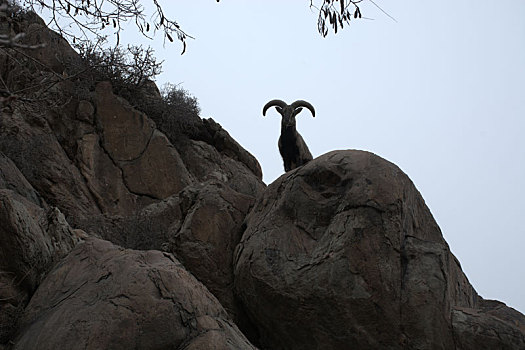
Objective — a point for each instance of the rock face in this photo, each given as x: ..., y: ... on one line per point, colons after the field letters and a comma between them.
x: 105, y: 297
x: 33, y: 237
x: 87, y: 153
x: 343, y: 253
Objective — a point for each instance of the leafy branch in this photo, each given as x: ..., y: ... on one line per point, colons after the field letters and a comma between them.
x: 337, y: 13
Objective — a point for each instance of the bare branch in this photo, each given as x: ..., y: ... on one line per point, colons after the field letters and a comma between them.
x: 89, y: 18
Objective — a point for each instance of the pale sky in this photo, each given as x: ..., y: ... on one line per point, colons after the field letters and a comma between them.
x: 440, y: 93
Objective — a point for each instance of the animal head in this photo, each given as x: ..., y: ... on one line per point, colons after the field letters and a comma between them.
x: 288, y: 112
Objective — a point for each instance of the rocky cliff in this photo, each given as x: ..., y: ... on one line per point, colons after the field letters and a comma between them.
x: 116, y: 235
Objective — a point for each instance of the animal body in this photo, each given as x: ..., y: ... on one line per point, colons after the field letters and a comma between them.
x: 292, y: 147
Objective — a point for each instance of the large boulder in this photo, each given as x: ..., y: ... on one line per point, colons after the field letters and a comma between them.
x: 105, y: 297
x: 343, y: 253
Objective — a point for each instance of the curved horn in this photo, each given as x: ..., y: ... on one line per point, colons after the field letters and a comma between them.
x: 278, y: 103
x: 301, y: 103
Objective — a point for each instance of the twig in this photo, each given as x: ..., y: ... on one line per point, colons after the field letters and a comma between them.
x: 386, y: 13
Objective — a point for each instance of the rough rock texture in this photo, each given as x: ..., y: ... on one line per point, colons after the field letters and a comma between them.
x: 105, y: 297
x: 343, y: 253
x: 131, y: 141
x: 32, y: 240
x: 27, y: 139
x: 212, y: 154
x: 492, y: 325
x: 201, y: 225
x: 12, y: 179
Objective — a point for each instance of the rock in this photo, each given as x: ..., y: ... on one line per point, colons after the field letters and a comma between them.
x: 31, y: 144
x: 125, y: 131
x: 56, y: 54
x: 226, y: 159
x: 159, y: 172
x: 492, y: 325
x: 215, y: 135
x: 105, y: 179
x: 206, y: 163
x: 105, y: 297
x: 201, y: 226
x: 32, y: 240
x: 343, y: 253
x: 204, y: 239
x: 85, y: 111
x: 12, y: 179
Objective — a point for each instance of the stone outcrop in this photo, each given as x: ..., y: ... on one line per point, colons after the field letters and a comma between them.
x: 88, y: 153
x: 105, y: 297
x: 343, y: 253
x: 98, y: 155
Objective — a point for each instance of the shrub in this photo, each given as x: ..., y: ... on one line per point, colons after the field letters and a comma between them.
x: 127, y: 69
x: 131, y: 72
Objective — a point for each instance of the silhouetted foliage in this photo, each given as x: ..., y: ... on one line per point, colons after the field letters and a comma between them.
x: 126, y: 68
x: 337, y: 13
x: 83, y: 20
x: 180, y: 99
x: 177, y: 114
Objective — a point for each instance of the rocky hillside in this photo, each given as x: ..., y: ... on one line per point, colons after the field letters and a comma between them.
x: 118, y: 234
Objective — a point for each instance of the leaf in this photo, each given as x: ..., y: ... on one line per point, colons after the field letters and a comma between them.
x: 342, y: 6
x: 170, y: 38
x: 356, y: 12
x: 183, y: 48
x: 147, y: 27
x: 114, y: 24
x: 68, y: 8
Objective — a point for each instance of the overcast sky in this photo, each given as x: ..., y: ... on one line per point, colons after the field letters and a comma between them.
x: 440, y: 92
